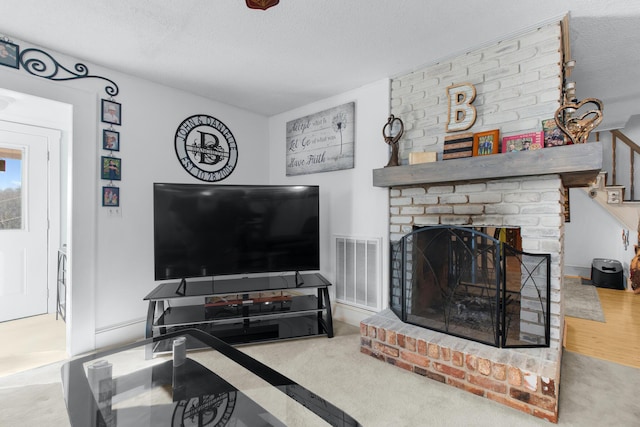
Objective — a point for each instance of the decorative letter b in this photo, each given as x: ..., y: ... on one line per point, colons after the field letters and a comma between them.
x: 462, y: 115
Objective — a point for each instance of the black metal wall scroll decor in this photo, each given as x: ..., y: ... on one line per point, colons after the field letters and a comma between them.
x: 41, y: 64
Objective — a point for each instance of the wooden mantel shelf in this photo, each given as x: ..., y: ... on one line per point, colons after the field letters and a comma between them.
x: 578, y: 166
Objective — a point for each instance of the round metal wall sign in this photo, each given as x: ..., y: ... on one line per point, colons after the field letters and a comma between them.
x: 206, y: 148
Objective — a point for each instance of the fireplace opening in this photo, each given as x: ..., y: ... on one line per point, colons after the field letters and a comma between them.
x: 474, y: 283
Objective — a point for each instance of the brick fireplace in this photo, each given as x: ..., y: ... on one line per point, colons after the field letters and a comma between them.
x: 518, y: 83
x: 526, y: 379
x: 520, y: 190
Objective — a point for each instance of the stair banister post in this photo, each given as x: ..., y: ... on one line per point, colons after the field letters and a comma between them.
x: 631, y: 172
x: 613, y: 158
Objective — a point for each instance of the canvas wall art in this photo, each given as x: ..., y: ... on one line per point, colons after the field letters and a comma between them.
x: 321, y: 142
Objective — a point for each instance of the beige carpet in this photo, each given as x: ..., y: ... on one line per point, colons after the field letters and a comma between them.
x: 33, y: 405
x: 581, y: 301
x: 592, y: 392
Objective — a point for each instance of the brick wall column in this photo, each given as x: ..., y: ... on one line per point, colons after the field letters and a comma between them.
x: 518, y: 83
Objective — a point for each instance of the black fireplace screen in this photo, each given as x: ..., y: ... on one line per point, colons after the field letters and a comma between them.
x: 465, y: 282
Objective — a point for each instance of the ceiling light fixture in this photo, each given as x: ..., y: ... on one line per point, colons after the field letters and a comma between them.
x: 261, y: 4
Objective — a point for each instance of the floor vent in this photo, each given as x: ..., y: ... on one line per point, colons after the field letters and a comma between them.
x: 358, y: 271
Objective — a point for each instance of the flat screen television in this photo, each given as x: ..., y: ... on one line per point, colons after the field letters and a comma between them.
x: 210, y: 229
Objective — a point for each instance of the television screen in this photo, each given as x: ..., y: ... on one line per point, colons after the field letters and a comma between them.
x: 210, y: 230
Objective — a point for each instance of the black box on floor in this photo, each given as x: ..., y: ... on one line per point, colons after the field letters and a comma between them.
x: 607, y: 273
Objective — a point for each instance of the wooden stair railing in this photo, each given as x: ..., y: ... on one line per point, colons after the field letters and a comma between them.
x: 634, y: 149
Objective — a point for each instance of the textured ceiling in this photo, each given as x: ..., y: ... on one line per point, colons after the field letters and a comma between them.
x: 301, y: 51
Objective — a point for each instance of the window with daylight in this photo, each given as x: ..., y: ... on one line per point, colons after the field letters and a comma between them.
x: 11, y: 203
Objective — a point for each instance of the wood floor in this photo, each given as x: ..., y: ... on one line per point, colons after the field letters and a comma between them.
x: 616, y: 340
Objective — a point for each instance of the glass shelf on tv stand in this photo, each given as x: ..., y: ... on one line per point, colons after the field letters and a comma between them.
x: 245, y: 310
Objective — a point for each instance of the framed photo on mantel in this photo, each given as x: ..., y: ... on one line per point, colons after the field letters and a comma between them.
x: 553, y: 136
x: 486, y: 143
x: 528, y: 141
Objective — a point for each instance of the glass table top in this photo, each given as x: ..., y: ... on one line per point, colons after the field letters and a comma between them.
x: 216, y: 386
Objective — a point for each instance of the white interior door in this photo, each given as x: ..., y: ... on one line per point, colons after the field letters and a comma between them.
x: 23, y: 221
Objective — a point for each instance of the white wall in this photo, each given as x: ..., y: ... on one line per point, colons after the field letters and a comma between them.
x: 593, y: 233
x: 111, y: 258
x: 151, y: 115
x: 111, y: 268
x: 349, y: 203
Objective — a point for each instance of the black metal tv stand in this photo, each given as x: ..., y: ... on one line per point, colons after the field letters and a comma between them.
x: 243, y: 310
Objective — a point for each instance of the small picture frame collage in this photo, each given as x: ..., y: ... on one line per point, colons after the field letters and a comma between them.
x: 471, y: 144
x: 490, y: 142
x: 550, y: 136
x: 111, y: 166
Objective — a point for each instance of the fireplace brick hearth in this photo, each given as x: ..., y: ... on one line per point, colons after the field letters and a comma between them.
x: 525, y: 379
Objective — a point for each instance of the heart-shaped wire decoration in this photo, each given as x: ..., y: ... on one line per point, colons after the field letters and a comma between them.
x: 578, y: 127
x: 393, y: 124
x: 392, y: 132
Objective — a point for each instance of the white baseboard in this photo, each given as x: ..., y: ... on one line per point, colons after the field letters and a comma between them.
x: 570, y: 270
x: 120, y: 334
x: 349, y: 314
